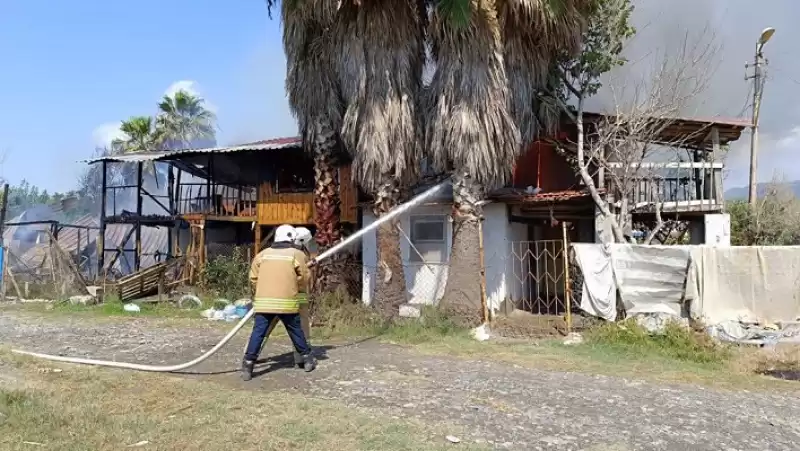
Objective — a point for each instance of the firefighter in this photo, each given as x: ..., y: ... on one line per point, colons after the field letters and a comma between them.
x: 301, y: 240
x: 279, y: 273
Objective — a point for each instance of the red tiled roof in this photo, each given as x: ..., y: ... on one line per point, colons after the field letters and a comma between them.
x: 276, y: 142
x: 515, y: 195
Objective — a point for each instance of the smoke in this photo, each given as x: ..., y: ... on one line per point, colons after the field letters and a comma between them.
x: 732, y: 27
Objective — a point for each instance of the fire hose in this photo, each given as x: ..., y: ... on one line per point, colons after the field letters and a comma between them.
x: 393, y: 214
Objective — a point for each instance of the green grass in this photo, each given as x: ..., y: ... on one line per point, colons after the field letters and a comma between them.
x: 113, y: 307
x: 81, y: 408
x: 619, y: 349
x: 675, y: 343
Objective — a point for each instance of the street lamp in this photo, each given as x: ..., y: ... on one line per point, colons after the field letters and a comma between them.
x: 758, y: 90
x: 765, y: 36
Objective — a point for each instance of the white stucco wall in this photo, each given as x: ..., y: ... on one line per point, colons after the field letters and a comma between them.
x: 426, y: 282
x: 498, y: 235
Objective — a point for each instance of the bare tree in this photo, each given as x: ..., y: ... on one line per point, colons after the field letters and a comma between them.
x: 632, y: 143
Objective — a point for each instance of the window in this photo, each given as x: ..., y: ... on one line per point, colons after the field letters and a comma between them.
x: 295, y: 174
x: 292, y: 180
x: 428, y: 239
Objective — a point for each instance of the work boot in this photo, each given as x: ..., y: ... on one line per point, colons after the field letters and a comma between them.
x: 309, y: 363
x: 299, y: 362
x: 247, y: 369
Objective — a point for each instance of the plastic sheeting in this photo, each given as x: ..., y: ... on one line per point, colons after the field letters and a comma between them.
x: 758, y: 285
x: 598, y: 294
x: 749, y: 284
x: 650, y: 279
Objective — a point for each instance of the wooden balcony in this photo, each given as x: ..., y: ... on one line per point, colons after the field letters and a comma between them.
x: 225, y: 202
x: 267, y: 205
x: 677, y: 187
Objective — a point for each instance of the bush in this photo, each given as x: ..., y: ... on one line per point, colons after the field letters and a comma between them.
x: 432, y: 325
x: 676, y: 342
x: 227, y: 276
x: 337, y: 313
x: 775, y: 220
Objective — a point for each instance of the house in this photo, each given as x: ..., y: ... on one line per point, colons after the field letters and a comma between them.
x: 527, y: 224
x: 212, y: 199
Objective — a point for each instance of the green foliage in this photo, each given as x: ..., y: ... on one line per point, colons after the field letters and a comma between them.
x: 227, y: 276
x: 601, y: 51
x: 183, y: 121
x: 432, y: 325
x: 337, y: 314
x: 457, y: 11
x: 675, y: 342
x: 775, y: 220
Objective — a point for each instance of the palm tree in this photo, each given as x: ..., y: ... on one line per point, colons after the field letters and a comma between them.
x: 473, y: 109
x: 313, y: 98
x: 481, y: 97
x: 377, y: 124
x: 183, y: 122
x: 379, y: 55
x: 140, y: 135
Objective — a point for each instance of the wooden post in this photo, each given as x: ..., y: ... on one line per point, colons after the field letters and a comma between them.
x: 101, y: 234
x: 20, y: 297
x: 161, y: 284
x: 567, y: 290
x: 714, y: 185
x: 3, y: 210
x: 209, y: 171
x: 178, y: 210
x: 171, y: 204
x: 484, y: 303
x: 177, y: 196
x: 137, y: 256
x: 202, y: 250
x: 257, y: 242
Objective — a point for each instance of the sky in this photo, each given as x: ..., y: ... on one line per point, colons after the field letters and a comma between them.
x: 73, y: 70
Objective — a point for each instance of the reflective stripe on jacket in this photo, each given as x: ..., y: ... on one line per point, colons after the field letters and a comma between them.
x: 279, y: 274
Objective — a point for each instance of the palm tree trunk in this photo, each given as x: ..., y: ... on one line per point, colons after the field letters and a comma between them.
x: 390, y: 286
x: 462, y: 294
x: 327, y: 206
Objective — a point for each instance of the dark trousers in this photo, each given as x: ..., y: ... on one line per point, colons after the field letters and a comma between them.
x: 293, y: 325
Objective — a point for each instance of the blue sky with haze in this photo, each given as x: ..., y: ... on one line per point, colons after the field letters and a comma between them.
x: 72, y: 70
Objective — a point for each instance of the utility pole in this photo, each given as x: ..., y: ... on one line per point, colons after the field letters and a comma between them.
x: 758, y: 77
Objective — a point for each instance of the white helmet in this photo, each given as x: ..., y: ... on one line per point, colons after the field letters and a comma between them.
x: 302, y: 236
x: 285, y: 234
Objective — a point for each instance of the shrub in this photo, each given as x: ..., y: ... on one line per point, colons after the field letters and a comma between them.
x: 775, y: 220
x: 227, y: 275
x: 676, y: 341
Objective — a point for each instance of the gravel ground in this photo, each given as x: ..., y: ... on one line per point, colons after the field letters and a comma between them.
x: 506, y: 406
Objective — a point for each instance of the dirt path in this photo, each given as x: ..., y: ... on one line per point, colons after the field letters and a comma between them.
x: 503, y: 405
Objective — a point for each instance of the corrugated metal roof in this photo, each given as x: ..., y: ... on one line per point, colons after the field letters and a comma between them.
x: 268, y: 144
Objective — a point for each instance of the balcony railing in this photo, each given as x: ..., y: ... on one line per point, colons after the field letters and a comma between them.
x: 194, y: 198
x: 677, y: 187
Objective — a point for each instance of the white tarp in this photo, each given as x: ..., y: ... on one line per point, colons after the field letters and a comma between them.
x: 650, y: 279
x: 751, y: 284
x: 598, y: 294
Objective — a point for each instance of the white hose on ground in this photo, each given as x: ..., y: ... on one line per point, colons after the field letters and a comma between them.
x: 140, y: 367
x: 400, y: 209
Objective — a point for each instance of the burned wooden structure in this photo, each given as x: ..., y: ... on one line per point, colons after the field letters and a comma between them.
x: 235, y: 194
